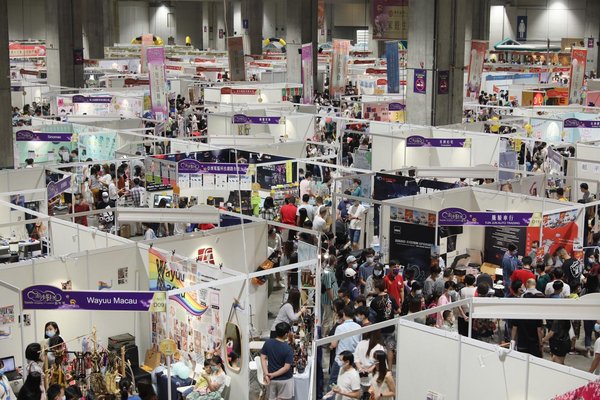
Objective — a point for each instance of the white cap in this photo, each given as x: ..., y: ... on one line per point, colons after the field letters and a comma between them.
x: 350, y: 272
x: 350, y: 259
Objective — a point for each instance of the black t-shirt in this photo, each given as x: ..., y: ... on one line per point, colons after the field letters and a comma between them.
x: 572, y: 269
x: 278, y: 354
x: 561, y: 330
x: 527, y: 334
x: 384, y: 308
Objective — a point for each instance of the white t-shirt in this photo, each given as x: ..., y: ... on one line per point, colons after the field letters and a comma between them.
x: 149, y: 235
x: 113, y: 192
x: 356, y: 212
x: 360, y: 355
x: 319, y: 224
x: 304, y: 187
x: 566, y: 292
x: 466, y: 293
x: 348, y: 381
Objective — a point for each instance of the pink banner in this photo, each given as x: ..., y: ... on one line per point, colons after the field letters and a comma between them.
x: 339, y: 67
x: 307, y: 73
x: 155, y: 57
x: 478, y: 48
x: 578, y: 61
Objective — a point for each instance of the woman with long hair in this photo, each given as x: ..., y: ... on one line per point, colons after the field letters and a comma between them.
x: 290, y: 311
x: 382, y: 384
x: 31, y: 389
x: 364, y: 356
x: 268, y: 211
x: 290, y: 256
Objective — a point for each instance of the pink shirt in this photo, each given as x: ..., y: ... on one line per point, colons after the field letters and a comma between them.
x: 442, y: 301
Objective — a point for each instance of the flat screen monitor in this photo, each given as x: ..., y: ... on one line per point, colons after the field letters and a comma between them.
x: 159, y: 197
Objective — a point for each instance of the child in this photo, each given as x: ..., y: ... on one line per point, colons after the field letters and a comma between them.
x: 448, y: 323
x: 201, y: 386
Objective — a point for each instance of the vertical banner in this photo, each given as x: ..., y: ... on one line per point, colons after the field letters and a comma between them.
x: 522, y: 27
x: 420, y: 81
x: 339, y: 67
x: 478, y: 48
x: 147, y: 40
x: 578, y: 61
x: 237, y: 65
x: 158, y: 89
x: 321, y: 16
x: 307, y: 73
x: 393, y: 67
x: 443, y: 82
x: 390, y: 19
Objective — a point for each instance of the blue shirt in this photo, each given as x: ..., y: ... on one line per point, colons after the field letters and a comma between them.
x: 348, y: 343
x: 509, y: 265
x: 278, y: 354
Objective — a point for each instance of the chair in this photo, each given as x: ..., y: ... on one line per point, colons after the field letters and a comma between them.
x: 131, y: 354
x: 260, y: 376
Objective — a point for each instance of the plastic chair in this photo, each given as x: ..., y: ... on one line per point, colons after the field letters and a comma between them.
x: 226, y: 389
x: 260, y: 376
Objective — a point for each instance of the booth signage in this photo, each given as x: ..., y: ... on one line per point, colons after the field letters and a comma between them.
x: 393, y: 67
x: 443, y: 82
x: 92, y: 99
x: 577, y: 123
x: 29, y: 136
x: 197, y: 167
x: 56, y: 188
x: 249, y: 119
x: 420, y: 141
x: 420, y: 81
x: 228, y: 90
x: 396, y: 107
x: 45, y: 297
x: 167, y: 347
x: 454, y: 216
x: 18, y: 50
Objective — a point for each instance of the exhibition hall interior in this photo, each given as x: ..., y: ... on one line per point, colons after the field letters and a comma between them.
x: 299, y: 199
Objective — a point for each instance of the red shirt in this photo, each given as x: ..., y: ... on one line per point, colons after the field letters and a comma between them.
x: 522, y: 275
x: 288, y: 214
x: 394, y: 287
x: 81, y: 208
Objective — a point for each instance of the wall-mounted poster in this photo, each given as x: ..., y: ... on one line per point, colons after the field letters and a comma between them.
x: 410, y: 245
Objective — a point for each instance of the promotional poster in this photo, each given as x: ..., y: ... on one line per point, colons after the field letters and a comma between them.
x: 390, y: 19
x: 411, y: 245
x: 339, y: 67
x: 478, y: 48
x: 578, y: 63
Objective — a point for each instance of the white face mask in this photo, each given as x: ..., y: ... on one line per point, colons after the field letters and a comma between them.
x: 354, y: 265
x: 370, y: 259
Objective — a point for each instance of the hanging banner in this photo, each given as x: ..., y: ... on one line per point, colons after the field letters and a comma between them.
x: 454, y: 216
x: 321, y: 16
x: 18, y: 50
x: 56, y: 188
x: 307, y: 73
x: 478, y: 48
x: 92, y: 99
x: 339, y: 67
x: 578, y: 62
x: 29, y: 136
x: 420, y: 141
x: 443, y: 83
x: 195, y: 167
x: 390, y: 19
x: 158, y: 84
x: 237, y: 64
x: 250, y: 119
x: 508, y: 160
x: 420, y: 81
x: 393, y: 67
x: 44, y: 297
x: 577, y: 123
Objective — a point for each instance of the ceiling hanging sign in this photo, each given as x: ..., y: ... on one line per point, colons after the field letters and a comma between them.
x: 237, y: 64
x: 158, y: 84
x: 443, y: 82
x: 454, y: 216
x: 393, y: 66
x: 578, y: 63
x: 420, y: 141
x: 522, y: 28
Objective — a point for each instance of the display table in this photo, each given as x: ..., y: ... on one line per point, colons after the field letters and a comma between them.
x: 302, y: 383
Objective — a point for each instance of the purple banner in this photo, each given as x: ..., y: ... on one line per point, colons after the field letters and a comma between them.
x: 555, y: 157
x: 29, y: 136
x: 44, y: 297
x: 443, y: 82
x: 396, y: 107
x: 92, y: 99
x: 577, y: 123
x: 248, y: 119
x: 196, y: 167
x: 420, y: 81
x: 458, y: 217
x: 56, y: 188
x: 420, y: 141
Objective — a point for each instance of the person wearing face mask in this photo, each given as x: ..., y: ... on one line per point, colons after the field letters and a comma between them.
x: 448, y: 323
x: 216, y: 380
x: 596, y: 361
x: 394, y: 282
x: 51, y: 329
x: 355, y: 216
x: 366, y: 269
x: 467, y: 292
x: 348, y: 285
x: 416, y: 291
x: 6, y: 392
x: 370, y: 283
x: 510, y: 262
x: 445, y: 298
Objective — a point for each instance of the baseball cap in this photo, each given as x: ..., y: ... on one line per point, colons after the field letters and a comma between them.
x: 105, y: 195
x: 350, y: 259
x: 349, y: 272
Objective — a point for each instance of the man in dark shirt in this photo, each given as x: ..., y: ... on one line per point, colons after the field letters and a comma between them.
x: 572, y: 268
x: 528, y: 333
x: 277, y: 358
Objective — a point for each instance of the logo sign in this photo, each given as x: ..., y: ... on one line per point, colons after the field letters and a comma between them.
x: 245, y: 23
x: 420, y: 141
x: 56, y: 188
x: 396, y: 107
x: 420, y: 81
x: 45, y: 297
x: 29, y: 136
x: 189, y: 166
x: 443, y: 82
x: 522, y: 27
x: 590, y: 43
x: 167, y: 347
x: 577, y: 123
x: 248, y: 119
x: 538, y: 99
x: 454, y: 216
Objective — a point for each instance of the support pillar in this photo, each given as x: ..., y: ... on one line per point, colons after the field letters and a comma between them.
x: 93, y: 28
x: 252, y: 11
x: 309, y: 31
x: 592, y: 30
x: 6, y: 132
x: 436, y: 42
x: 64, y: 43
x: 206, y: 25
x: 110, y: 21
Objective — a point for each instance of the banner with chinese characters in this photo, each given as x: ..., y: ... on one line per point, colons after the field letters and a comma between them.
x: 339, y: 67
x: 393, y: 67
x: 390, y: 19
x: 158, y: 84
x: 44, y: 297
x: 578, y: 63
x: 454, y: 216
x: 251, y: 119
x: 478, y: 48
x: 18, y: 50
x: 307, y: 72
x: 189, y: 166
x: 237, y: 64
x: 420, y: 141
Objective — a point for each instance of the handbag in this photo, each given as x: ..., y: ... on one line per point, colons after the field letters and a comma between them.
x: 152, y: 360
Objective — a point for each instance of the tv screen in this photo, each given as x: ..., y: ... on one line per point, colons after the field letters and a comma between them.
x: 159, y: 197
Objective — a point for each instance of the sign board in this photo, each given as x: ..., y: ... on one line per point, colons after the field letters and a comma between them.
x: 454, y: 216
x: 420, y: 81
x: 522, y: 28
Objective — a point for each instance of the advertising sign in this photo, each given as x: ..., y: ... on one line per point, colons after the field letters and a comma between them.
x: 478, y: 48
x: 393, y: 67
x: 578, y: 62
x: 420, y: 141
x: 390, y: 19
x: 307, y: 73
x: 250, y: 119
x: 44, y: 297
x: 195, y: 167
x: 29, y: 136
x: 454, y: 216
x: 420, y: 81
x: 522, y: 28
x: 339, y: 67
x: 158, y: 85
x: 18, y: 50
x: 237, y: 64
x: 56, y: 188
x: 411, y: 244
x: 443, y: 83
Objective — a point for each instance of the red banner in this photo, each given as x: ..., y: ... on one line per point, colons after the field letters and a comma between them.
x: 578, y: 61
x: 478, y: 48
x: 18, y: 50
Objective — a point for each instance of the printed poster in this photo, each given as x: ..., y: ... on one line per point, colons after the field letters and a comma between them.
x: 390, y: 19
x: 478, y: 48
x: 578, y: 62
x: 411, y: 244
x: 158, y: 84
x: 7, y: 315
x: 420, y: 81
x: 307, y: 73
x: 339, y: 68
x: 237, y: 64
